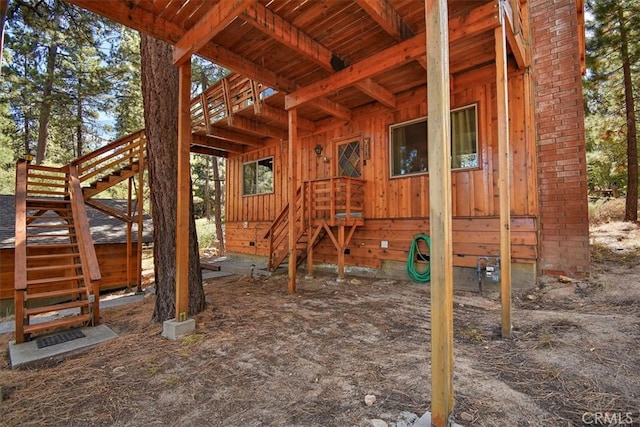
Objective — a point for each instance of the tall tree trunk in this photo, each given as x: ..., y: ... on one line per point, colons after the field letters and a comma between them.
x: 160, y: 98
x: 45, y: 109
x: 218, y: 205
x: 631, y: 206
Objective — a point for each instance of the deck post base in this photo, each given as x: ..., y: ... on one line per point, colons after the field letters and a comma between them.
x: 172, y: 329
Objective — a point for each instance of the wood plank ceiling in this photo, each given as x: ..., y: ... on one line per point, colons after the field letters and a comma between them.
x: 325, y: 57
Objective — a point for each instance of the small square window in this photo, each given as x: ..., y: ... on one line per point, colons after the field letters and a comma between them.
x: 257, y: 177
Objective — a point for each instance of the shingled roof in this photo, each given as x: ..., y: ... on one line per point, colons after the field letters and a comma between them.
x: 104, y: 228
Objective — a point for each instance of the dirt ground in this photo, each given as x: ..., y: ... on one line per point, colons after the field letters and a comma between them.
x: 263, y: 357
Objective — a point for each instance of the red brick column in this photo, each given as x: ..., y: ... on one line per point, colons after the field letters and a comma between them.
x: 559, y: 118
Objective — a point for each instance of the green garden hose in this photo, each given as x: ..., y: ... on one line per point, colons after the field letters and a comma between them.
x: 416, y: 276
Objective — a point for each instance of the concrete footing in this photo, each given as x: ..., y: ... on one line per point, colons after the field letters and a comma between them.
x: 172, y: 329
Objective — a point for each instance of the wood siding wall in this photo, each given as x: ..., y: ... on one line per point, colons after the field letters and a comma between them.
x: 398, y: 208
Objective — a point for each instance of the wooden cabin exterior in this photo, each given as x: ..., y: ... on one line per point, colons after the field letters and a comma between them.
x: 350, y: 77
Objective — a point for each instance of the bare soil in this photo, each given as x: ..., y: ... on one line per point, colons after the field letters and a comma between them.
x: 263, y: 357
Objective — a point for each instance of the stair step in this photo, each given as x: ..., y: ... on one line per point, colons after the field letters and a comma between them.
x: 52, y: 280
x: 54, y: 246
x: 51, y: 256
x: 58, y: 293
x: 56, y: 307
x: 56, y: 202
x: 53, y: 267
x: 49, y: 235
x: 62, y: 225
x: 65, y: 321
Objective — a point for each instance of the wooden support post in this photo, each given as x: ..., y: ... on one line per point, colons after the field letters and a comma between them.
x: 341, y: 252
x: 257, y: 101
x: 293, y: 138
x: 129, y: 230
x: 205, y: 112
x: 504, y: 174
x: 140, y: 205
x: 183, y: 196
x: 228, y: 102
x: 439, y: 146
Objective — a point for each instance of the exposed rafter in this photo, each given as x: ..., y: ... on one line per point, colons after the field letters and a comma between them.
x: 258, y: 129
x: 388, y: 18
x: 480, y: 19
x: 514, y: 38
x: 198, y: 149
x: 284, y: 32
x: 332, y: 108
x: 270, y: 112
x: 214, y: 21
x: 168, y: 32
x: 218, y: 143
x: 390, y: 58
x: 231, y: 136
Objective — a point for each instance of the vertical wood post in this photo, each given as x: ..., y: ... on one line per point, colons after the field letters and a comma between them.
x: 341, y: 252
x: 439, y: 146
x: 504, y: 175
x: 140, y: 205
x: 129, y: 229
x: 183, y: 196
x: 292, y: 180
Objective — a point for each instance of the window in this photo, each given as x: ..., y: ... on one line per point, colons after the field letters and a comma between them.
x: 349, y: 159
x: 258, y: 177
x: 409, y: 147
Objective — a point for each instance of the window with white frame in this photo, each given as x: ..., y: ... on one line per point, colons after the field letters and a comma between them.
x: 257, y: 177
x: 408, y: 141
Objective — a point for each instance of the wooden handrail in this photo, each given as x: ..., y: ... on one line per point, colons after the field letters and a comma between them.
x: 83, y: 232
x: 121, y: 141
x: 110, y: 157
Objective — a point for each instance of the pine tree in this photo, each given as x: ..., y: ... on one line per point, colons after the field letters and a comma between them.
x: 160, y: 97
x: 613, y: 48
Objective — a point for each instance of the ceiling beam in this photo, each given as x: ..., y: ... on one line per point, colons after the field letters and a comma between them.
x: 292, y: 37
x: 387, y: 17
x: 478, y: 20
x: 390, y: 20
x: 213, y: 142
x: 198, y: 149
x: 270, y: 112
x: 259, y: 129
x: 231, y: 136
x: 147, y: 23
x: 332, y: 108
x: 214, y: 21
x: 515, y: 40
x: 380, y: 62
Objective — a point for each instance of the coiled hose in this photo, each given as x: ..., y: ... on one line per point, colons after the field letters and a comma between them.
x: 416, y: 276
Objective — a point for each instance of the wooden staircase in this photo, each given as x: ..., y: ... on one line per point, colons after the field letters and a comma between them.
x: 278, y: 235
x: 56, y: 267
x: 55, y: 263
x: 322, y: 205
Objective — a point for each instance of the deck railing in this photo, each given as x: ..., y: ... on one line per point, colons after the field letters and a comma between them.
x: 223, y: 99
x: 335, y: 200
x: 111, y: 158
